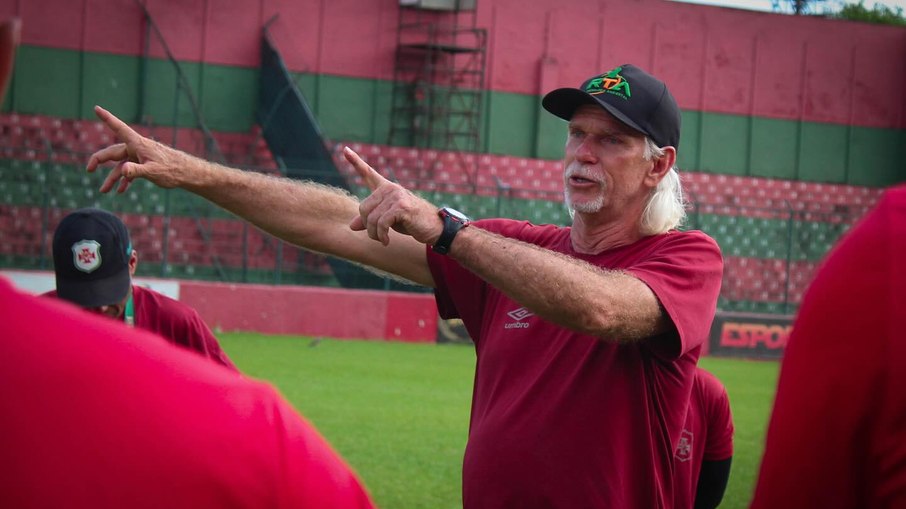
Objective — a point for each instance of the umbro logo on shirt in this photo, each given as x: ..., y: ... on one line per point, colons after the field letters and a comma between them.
x: 518, y: 315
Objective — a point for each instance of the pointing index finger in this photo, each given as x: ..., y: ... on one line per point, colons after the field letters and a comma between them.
x: 122, y: 131
x: 369, y: 175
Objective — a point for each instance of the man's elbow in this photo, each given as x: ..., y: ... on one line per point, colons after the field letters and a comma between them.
x: 623, y: 327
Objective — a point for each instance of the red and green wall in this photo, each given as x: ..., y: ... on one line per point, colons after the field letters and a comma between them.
x: 762, y: 95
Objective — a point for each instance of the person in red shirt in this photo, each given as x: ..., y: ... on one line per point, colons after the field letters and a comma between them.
x: 94, y: 263
x: 99, y: 415
x: 586, y: 336
x: 705, y: 449
x: 837, y: 436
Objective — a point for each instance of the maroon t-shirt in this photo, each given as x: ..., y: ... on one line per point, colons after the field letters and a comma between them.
x: 837, y: 436
x: 564, y: 419
x: 706, y: 436
x: 99, y: 415
x: 175, y: 322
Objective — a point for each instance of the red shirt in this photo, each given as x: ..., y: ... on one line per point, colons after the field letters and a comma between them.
x: 563, y: 419
x: 707, y: 435
x: 175, y: 322
x: 837, y: 436
x: 98, y: 415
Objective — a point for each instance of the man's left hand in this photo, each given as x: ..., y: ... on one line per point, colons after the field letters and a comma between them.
x: 390, y: 205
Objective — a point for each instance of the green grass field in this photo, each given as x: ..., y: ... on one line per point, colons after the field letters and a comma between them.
x: 399, y: 412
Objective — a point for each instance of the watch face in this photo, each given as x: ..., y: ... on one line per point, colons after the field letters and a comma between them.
x: 459, y: 216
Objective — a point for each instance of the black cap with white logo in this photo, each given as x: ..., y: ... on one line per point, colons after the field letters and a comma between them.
x: 91, y: 251
x: 635, y: 97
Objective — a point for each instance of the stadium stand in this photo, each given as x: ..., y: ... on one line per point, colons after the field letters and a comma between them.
x: 772, y: 232
x: 39, y: 137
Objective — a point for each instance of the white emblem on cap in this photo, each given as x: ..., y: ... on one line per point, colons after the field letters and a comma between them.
x: 86, y: 255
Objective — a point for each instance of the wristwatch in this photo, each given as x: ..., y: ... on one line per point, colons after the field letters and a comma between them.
x: 454, y: 221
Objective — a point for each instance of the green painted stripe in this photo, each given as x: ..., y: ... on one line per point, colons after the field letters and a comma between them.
x: 67, y: 84
x: 46, y: 81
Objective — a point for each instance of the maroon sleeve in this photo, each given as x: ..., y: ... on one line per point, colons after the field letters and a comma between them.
x: 685, y: 274
x: 203, y: 340
x: 177, y: 323
x: 836, y: 436
x: 445, y: 270
x: 719, y: 444
x: 456, y: 284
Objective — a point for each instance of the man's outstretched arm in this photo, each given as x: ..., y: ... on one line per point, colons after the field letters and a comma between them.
x: 307, y: 214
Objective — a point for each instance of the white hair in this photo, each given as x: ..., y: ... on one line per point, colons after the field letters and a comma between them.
x: 666, y: 207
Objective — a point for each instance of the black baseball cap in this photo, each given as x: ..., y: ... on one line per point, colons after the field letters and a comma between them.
x: 635, y: 97
x: 91, y: 251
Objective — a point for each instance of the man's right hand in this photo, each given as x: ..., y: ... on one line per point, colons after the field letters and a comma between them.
x: 136, y: 157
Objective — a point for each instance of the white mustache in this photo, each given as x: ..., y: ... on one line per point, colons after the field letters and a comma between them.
x: 582, y: 171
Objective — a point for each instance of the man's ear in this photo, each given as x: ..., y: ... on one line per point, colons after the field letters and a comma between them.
x: 661, y: 167
x: 133, y: 262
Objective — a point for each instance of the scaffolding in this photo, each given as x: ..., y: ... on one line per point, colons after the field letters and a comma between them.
x: 438, y: 90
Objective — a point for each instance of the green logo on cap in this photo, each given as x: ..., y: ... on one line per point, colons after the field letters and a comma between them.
x: 611, y: 83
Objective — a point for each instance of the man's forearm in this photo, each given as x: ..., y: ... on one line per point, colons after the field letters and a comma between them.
x: 295, y: 211
x: 307, y: 214
x: 563, y: 290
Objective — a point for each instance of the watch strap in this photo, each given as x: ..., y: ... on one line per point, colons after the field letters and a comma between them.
x: 453, y: 222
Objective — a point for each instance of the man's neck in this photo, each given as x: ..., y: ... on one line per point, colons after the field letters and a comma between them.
x: 129, y: 309
x: 591, y: 235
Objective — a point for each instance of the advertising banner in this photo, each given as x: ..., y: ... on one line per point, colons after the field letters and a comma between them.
x: 750, y: 335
